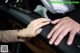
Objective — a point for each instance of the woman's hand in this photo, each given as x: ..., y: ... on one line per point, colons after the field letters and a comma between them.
x: 60, y: 30
x: 34, y: 28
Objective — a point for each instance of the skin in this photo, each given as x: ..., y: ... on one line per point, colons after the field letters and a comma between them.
x: 61, y: 28
x: 34, y: 28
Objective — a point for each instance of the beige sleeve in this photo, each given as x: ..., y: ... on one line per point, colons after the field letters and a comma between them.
x: 9, y: 36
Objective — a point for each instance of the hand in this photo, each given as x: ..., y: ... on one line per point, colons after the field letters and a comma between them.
x: 60, y: 30
x: 34, y: 28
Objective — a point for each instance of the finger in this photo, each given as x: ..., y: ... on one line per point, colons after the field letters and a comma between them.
x: 53, y: 29
x: 57, y: 32
x: 39, y: 26
x: 71, y: 37
x: 38, y: 31
x: 39, y: 21
x: 62, y: 34
x: 55, y: 21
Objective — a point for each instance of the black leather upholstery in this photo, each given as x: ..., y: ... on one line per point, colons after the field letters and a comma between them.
x: 27, y: 16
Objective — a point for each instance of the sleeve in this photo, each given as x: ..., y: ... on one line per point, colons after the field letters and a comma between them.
x: 75, y: 15
x: 9, y: 36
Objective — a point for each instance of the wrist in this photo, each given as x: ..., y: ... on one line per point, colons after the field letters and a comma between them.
x: 19, y: 35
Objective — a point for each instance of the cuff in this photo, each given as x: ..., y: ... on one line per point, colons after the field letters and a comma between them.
x: 14, y: 36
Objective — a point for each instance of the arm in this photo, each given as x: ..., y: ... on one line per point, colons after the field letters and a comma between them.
x: 8, y: 36
x: 33, y: 29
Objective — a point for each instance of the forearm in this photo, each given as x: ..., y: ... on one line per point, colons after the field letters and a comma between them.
x: 9, y: 36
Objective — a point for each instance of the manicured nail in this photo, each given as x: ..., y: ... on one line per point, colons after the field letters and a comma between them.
x: 50, y: 42
x: 48, y: 37
x: 40, y: 29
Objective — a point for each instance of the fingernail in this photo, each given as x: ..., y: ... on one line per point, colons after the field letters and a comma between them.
x: 50, y: 42
x: 69, y: 43
x: 48, y: 37
x: 56, y: 43
x: 40, y: 29
x: 52, y: 22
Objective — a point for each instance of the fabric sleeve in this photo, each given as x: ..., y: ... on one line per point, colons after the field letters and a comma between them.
x: 9, y: 36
